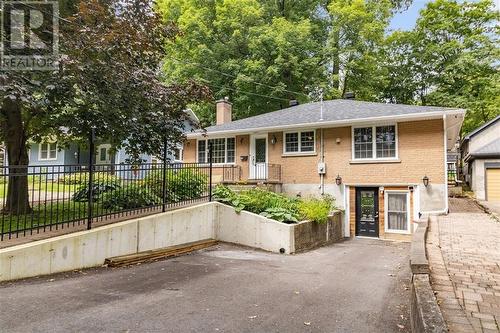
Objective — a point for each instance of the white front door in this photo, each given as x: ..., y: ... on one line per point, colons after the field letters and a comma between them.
x: 258, y: 156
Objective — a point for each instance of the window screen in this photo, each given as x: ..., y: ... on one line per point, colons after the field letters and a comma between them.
x: 202, y: 151
x: 291, y: 142
x: 307, y: 141
x: 397, y: 211
x: 363, y: 143
x: 386, y: 141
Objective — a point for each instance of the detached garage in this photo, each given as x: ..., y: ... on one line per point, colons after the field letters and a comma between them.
x: 481, y: 156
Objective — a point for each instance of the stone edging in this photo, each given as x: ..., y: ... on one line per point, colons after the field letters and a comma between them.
x: 425, y: 315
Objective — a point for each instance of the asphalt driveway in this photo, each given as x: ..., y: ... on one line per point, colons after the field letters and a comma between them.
x: 355, y: 286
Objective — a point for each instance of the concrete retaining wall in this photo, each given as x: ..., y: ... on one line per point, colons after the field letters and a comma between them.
x: 309, y: 235
x: 425, y: 315
x: 86, y: 249
x: 206, y: 221
x: 253, y: 230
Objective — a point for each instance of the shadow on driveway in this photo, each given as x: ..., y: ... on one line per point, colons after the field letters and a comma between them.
x: 359, y: 285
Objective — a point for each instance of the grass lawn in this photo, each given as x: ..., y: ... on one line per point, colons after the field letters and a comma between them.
x: 46, y: 214
x: 43, y: 187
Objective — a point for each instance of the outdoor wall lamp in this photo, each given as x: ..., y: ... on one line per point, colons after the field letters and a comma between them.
x: 274, y: 140
x: 338, y: 180
x: 425, y: 180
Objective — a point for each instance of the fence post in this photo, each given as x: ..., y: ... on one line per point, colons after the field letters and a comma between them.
x: 210, y: 152
x: 164, y: 185
x: 91, y: 179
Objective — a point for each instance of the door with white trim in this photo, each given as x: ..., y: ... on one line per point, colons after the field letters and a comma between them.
x: 258, y: 157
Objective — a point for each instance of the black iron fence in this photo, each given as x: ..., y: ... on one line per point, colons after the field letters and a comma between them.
x: 35, y: 199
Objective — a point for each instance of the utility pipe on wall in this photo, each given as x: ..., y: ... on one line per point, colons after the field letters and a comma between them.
x: 322, y: 160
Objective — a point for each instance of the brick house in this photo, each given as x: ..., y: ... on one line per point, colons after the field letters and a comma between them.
x: 385, y: 164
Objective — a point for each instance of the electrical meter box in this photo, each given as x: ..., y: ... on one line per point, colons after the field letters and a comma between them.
x: 321, y: 168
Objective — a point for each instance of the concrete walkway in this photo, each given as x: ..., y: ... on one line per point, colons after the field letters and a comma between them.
x: 358, y: 286
x: 464, y: 254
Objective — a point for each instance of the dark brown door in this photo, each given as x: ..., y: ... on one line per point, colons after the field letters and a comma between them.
x: 367, y: 212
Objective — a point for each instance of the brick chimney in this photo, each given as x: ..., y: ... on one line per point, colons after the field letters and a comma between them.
x: 224, y: 111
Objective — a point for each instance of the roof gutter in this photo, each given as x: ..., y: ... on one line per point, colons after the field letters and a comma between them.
x: 472, y: 157
x: 335, y: 123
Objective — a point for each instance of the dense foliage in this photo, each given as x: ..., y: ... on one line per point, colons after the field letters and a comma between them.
x: 99, y: 185
x: 130, y: 197
x: 183, y: 184
x: 109, y: 80
x: 276, y: 206
x: 82, y: 178
x: 263, y: 53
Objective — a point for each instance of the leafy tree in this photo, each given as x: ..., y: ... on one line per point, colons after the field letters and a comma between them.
x: 452, y: 56
x: 357, y: 33
x: 109, y: 80
x: 232, y: 44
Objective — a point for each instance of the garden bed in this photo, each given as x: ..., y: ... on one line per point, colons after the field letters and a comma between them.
x: 310, y: 222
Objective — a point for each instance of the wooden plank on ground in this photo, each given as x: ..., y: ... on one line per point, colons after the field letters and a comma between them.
x: 151, y: 255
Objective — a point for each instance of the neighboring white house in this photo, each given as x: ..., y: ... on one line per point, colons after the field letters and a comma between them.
x: 481, y: 157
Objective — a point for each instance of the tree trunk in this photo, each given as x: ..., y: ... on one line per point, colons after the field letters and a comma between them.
x: 17, y: 202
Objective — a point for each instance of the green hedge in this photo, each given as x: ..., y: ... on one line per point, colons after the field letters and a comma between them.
x: 183, y: 184
x: 130, y: 197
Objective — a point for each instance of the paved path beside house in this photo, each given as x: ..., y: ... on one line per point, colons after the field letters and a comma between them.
x: 464, y: 254
x: 358, y: 286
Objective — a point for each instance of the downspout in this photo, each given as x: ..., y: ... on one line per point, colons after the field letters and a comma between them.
x: 322, y: 150
x: 445, y: 138
x: 322, y: 160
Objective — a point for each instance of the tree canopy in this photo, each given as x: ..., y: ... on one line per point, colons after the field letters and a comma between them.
x: 263, y: 53
x: 109, y: 80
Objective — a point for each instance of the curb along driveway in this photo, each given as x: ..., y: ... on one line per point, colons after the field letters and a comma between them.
x: 359, y: 285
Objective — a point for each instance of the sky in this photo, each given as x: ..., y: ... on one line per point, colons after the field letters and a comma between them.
x: 406, y: 20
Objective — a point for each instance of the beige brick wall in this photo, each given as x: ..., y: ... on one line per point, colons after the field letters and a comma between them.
x: 421, y: 152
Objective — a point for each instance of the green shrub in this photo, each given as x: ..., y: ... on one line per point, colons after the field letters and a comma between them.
x: 266, y: 203
x: 258, y: 200
x: 316, y: 210
x: 99, y: 186
x: 130, y: 197
x: 81, y: 178
x: 224, y: 194
x: 183, y: 184
x: 280, y: 214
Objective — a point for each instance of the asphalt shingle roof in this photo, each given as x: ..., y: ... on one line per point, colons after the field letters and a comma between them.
x: 482, y: 127
x: 334, y: 110
x: 490, y: 149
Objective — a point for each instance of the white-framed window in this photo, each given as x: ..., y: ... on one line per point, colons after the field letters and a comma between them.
x: 397, y: 212
x: 47, y: 151
x: 375, y: 142
x: 178, y: 154
x: 224, y: 150
x: 299, y: 142
x: 103, y: 154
